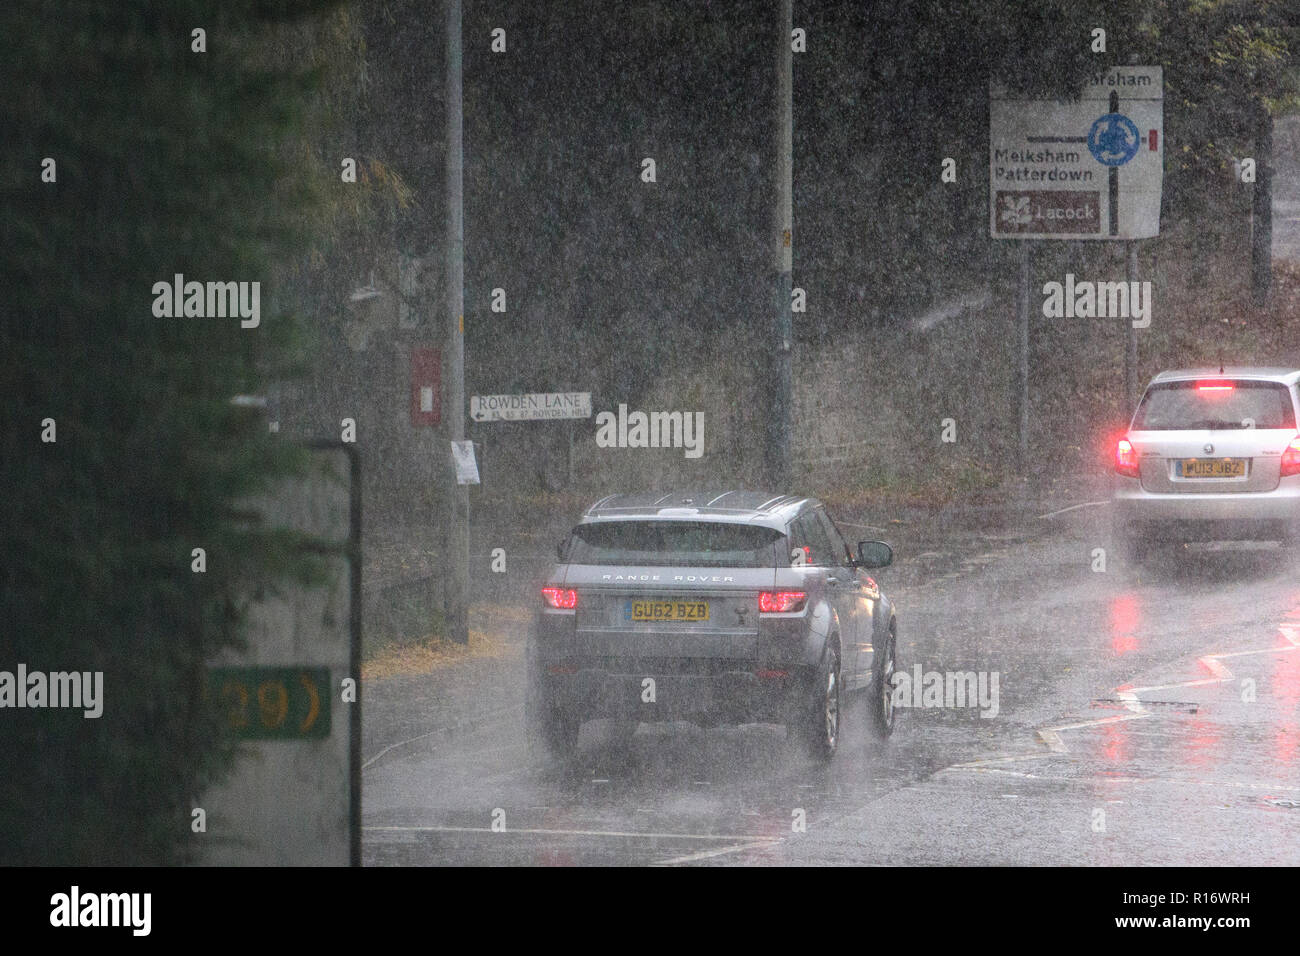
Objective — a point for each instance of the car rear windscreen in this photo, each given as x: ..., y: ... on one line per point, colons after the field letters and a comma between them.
x: 1221, y: 403
x: 711, y: 544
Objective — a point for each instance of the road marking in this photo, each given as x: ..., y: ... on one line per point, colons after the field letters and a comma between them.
x: 731, y: 837
x: 1086, y: 504
x: 1092, y: 779
x: 1051, y: 735
x: 706, y: 854
x: 477, y: 720
x: 976, y: 764
x: 1213, y: 665
x: 1129, y: 695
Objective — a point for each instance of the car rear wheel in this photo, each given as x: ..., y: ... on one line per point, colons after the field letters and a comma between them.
x: 882, y: 690
x: 621, y: 731
x: 551, y: 732
x: 1290, y: 539
x: 821, y: 721
x: 1136, y: 544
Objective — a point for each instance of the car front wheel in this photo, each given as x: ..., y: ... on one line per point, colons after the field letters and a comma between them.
x: 882, y: 690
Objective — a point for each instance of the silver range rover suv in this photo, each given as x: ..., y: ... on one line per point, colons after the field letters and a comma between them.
x: 717, y: 608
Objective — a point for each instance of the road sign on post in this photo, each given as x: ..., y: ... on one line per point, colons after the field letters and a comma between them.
x: 529, y: 407
x: 1086, y: 169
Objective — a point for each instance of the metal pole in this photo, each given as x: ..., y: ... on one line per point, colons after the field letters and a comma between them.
x: 1022, y: 370
x: 780, y: 423
x: 458, y: 545
x: 1261, y: 240
x: 1130, y: 337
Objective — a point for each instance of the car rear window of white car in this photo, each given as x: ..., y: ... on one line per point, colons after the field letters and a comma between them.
x: 1215, y: 404
x: 711, y: 544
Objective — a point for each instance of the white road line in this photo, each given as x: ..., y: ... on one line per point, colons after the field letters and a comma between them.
x: 490, y: 715
x: 706, y: 854
x: 1086, y: 504
x: 976, y: 764
x: 731, y: 837
x: 1215, y: 667
x: 1212, y: 662
x: 1092, y: 780
x: 1051, y: 735
x: 1186, y: 683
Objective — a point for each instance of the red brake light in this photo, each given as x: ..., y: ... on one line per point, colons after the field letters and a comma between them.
x: 781, y: 602
x: 1214, y: 386
x: 1126, y: 459
x: 1291, y: 458
x: 565, y: 599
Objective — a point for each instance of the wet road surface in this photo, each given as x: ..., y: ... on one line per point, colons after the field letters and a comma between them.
x: 1143, y: 716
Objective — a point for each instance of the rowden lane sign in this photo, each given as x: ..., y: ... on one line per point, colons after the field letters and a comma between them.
x: 529, y: 407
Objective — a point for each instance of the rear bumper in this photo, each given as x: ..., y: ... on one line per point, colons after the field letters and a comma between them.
x: 1239, y: 514
x: 730, y: 696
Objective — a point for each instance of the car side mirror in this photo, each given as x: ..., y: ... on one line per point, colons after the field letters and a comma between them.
x: 874, y: 554
x: 559, y: 549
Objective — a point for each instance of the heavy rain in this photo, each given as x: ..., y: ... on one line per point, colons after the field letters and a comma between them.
x: 736, y: 433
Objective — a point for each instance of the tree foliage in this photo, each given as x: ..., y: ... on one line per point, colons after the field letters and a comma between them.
x: 168, y: 161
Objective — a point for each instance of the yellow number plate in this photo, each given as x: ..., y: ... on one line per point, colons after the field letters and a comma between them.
x: 667, y: 611
x: 1212, y: 467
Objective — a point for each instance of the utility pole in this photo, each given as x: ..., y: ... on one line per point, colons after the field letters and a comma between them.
x: 1130, y: 337
x: 1022, y: 356
x: 457, y: 565
x: 780, y: 379
x: 1261, y: 210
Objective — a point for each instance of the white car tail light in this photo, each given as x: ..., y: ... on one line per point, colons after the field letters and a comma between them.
x: 1291, y: 458
x: 1126, y: 459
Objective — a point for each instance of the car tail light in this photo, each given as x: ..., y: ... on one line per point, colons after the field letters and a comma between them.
x: 781, y: 602
x: 565, y: 599
x: 1291, y: 458
x: 1214, y: 386
x: 1126, y: 459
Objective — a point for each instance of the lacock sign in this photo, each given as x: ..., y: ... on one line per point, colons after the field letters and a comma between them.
x: 1089, y: 169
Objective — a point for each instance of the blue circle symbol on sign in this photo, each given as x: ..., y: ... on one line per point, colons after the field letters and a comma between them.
x: 1114, y: 139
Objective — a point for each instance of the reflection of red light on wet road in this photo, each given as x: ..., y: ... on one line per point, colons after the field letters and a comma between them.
x: 1204, y: 744
x: 1123, y: 624
x: 1115, y: 742
x: 1283, y: 685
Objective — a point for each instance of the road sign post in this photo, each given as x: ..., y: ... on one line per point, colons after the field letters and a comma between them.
x: 1090, y: 168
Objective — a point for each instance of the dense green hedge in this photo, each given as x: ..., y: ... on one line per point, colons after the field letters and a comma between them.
x: 168, y: 161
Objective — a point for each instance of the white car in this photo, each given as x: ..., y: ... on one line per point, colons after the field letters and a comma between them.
x: 1211, y: 455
